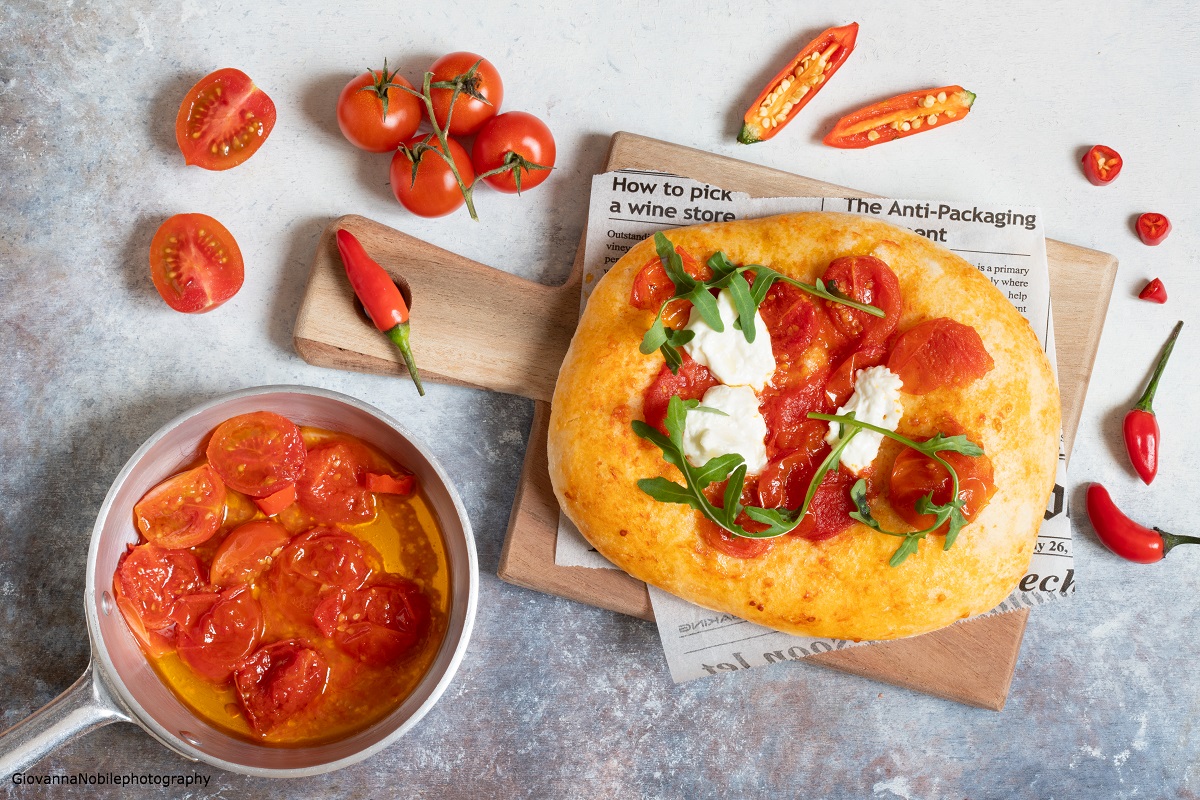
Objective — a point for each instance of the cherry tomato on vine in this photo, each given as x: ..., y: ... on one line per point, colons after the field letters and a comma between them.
x: 433, y: 192
x: 470, y: 112
x: 195, y: 263
x: 374, y: 114
x: 223, y: 120
x: 519, y: 133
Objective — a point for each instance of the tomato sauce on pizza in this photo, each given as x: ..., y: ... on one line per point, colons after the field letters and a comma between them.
x: 819, y: 348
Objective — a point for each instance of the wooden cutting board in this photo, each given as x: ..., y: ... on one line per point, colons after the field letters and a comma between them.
x: 459, y: 305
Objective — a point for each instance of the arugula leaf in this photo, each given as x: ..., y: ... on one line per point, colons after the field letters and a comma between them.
x: 666, y: 491
x: 673, y: 264
x: 721, y: 266
x: 858, y: 493
x: 717, y: 469
x: 710, y: 410
x: 703, y: 301
x: 953, y: 444
x: 780, y: 520
x: 655, y: 337
x: 906, y: 548
x: 747, y: 309
x: 733, y: 496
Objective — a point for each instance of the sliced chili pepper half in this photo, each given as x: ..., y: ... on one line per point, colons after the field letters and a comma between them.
x: 1153, y: 228
x: 1102, y: 165
x: 1155, y: 291
x: 797, y: 83
x: 900, y: 116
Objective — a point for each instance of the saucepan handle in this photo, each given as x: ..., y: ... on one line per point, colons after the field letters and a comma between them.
x: 82, y: 708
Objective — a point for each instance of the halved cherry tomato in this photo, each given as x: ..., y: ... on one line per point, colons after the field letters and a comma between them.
x: 867, y: 280
x: 786, y: 411
x: 246, y: 552
x: 784, y: 482
x: 312, y: 562
x: 258, y: 454
x: 279, y: 681
x: 434, y: 192
x: 514, y: 132
x: 1153, y: 228
x: 374, y: 114
x: 793, y: 320
x: 829, y: 513
x: 184, y: 510
x: 805, y: 76
x: 333, y: 486
x: 216, y: 631
x: 223, y: 120
x: 1102, y: 165
x: 390, y: 484
x: 272, y: 504
x: 146, y: 585
x: 725, y: 542
x: 652, y: 287
x: 915, y: 475
x: 937, y: 353
x: 691, y: 383
x: 378, y: 624
x: 195, y: 263
x: 900, y: 116
x: 470, y: 113
x: 840, y: 384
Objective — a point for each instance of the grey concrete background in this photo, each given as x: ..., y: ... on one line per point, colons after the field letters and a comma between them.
x: 554, y: 698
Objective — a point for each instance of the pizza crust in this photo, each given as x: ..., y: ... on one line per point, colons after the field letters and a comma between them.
x: 842, y: 587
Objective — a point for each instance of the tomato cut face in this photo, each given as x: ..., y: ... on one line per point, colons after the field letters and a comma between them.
x: 247, y: 552
x: 146, y: 585
x: 868, y: 280
x: 278, y: 681
x: 829, y: 513
x: 901, y: 116
x: 257, y: 454
x: 216, y: 631
x: 692, y: 381
x: 378, y: 624
x: 939, y: 353
x: 314, y: 561
x: 915, y: 475
x: 333, y: 486
x: 195, y: 263
x: 223, y: 120
x: 840, y: 384
x: 797, y: 83
x: 184, y: 510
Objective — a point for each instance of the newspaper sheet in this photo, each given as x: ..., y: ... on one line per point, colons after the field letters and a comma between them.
x: 1006, y: 243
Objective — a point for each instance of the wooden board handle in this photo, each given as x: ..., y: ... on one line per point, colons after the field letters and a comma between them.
x: 472, y: 325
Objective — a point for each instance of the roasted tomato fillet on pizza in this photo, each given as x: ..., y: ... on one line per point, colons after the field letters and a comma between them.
x: 818, y: 422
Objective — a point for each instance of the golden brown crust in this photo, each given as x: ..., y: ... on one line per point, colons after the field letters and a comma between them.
x: 842, y: 587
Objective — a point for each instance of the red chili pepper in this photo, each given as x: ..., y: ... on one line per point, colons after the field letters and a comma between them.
x: 380, y: 297
x: 1155, y: 292
x: 1141, y: 426
x: 1152, y: 228
x: 1102, y: 165
x: 1125, y: 537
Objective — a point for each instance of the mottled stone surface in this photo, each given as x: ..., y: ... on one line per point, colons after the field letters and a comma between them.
x: 554, y: 698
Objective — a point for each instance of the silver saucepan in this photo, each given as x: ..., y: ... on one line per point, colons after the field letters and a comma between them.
x: 119, y: 684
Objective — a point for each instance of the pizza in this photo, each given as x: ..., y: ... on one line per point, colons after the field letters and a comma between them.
x: 818, y: 422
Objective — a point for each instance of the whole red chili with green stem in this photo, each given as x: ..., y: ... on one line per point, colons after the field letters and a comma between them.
x: 380, y: 297
x: 1125, y: 537
x: 1141, y: 426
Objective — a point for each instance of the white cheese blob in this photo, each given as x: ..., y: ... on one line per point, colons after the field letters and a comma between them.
x: 741, y: 429
x: 732, y: 359
x: 876, y: 400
